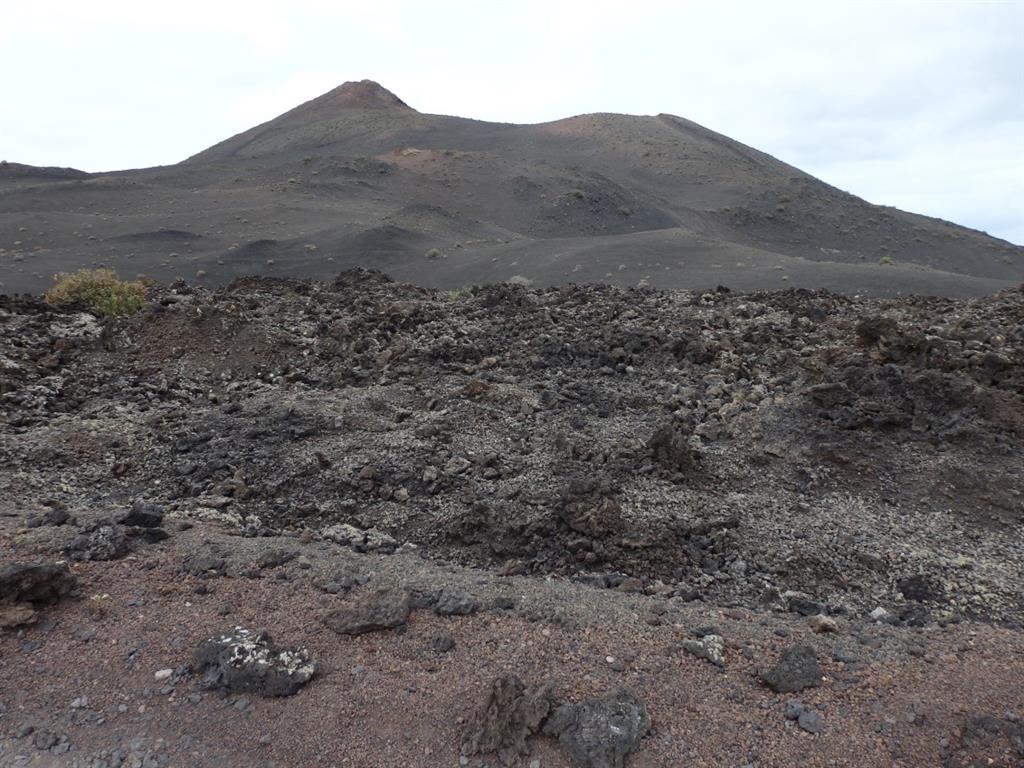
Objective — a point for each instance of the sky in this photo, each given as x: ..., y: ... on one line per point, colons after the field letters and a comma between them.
x: 911, y: 104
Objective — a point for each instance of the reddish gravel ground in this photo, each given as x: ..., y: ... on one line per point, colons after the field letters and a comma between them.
x: 388, y: 699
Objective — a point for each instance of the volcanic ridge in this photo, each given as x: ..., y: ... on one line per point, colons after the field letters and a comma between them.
x: 356, y: 177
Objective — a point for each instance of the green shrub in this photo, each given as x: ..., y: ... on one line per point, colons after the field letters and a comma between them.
x: 99, y: 290
x: 433, y: 253
x: 460, y: 293
x: 885, y: 261
x: 578, y: 194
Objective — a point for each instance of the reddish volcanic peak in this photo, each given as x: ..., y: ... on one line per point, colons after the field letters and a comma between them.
x: 364, y: 94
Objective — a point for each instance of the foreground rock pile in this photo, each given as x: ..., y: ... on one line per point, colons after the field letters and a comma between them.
x: 578, y: 526
x: 792, y: 449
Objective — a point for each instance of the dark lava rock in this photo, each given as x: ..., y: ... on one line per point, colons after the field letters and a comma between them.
x: 143, y: 515
x: 342, y: 581
x: 983, y: 730
x: 103, y: 540
x: 670, y: 446
x: 272, y: 558
x: 443, y: 643
x: 203, y: 563
x: 798, y: 669
x: 915, y: 615
x: 421, y: 597
x: 588, y: 507
x: 512, y: 713
x: 54, y: 516
x: 600, y: 733
x: 920, y: 588
x: 45, y: 740
x: 793, y: 709
x: 244, y: 660
x: 845, y: 655
x: 380, y: 609
x: 456, y: 602
x: 804, y: 607
x: 805, y: 717
x: 831, y: 394
x: 38, y: 584
x: 503, y: 603
x: 811, y: 721
x: 871, y: 330
x: 152, y: 535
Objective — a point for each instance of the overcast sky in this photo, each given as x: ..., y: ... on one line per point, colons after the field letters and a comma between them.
x: 917, y: 105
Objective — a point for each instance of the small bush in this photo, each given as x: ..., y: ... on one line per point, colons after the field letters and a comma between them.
x: 525, y: 282
x: 433, y: 253
x: 885, y: 261
x: 578, y: 194
x: 625, y: 211
x: 457, y: 294
x: 100, y: 291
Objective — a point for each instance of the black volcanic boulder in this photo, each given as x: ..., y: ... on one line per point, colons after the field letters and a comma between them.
x: 456, y: 602
x: 920, y: 588
x: 24, y: 587
x: 101, y: 540
x: 831, y: 394
x: 602, y: 732
x: 55, y: 516
x: 671, y: 448
x: 143, y: 515
x: 37, y: 584
x: 380, y: 609
x: 798, y: 669
x: 588, y: 506
x: 871, y: 330
x: 244, y: 660
x: 512, y: 713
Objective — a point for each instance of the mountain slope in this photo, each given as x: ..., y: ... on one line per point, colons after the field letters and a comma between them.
x: 356, y: 176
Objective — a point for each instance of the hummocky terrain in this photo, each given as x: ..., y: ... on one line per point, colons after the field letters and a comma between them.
x: 358, y: 178
x: 579, y: 525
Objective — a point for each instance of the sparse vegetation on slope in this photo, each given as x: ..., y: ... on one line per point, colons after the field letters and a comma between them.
x: 100, y: 290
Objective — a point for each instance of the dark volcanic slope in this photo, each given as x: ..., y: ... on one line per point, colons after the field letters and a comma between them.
x: 357, y: 177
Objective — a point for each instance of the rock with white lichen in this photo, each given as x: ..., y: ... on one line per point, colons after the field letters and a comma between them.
x: 370, y: 540
x: 709, y: 647
x: 245, y: 660
x: 100, y: 540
